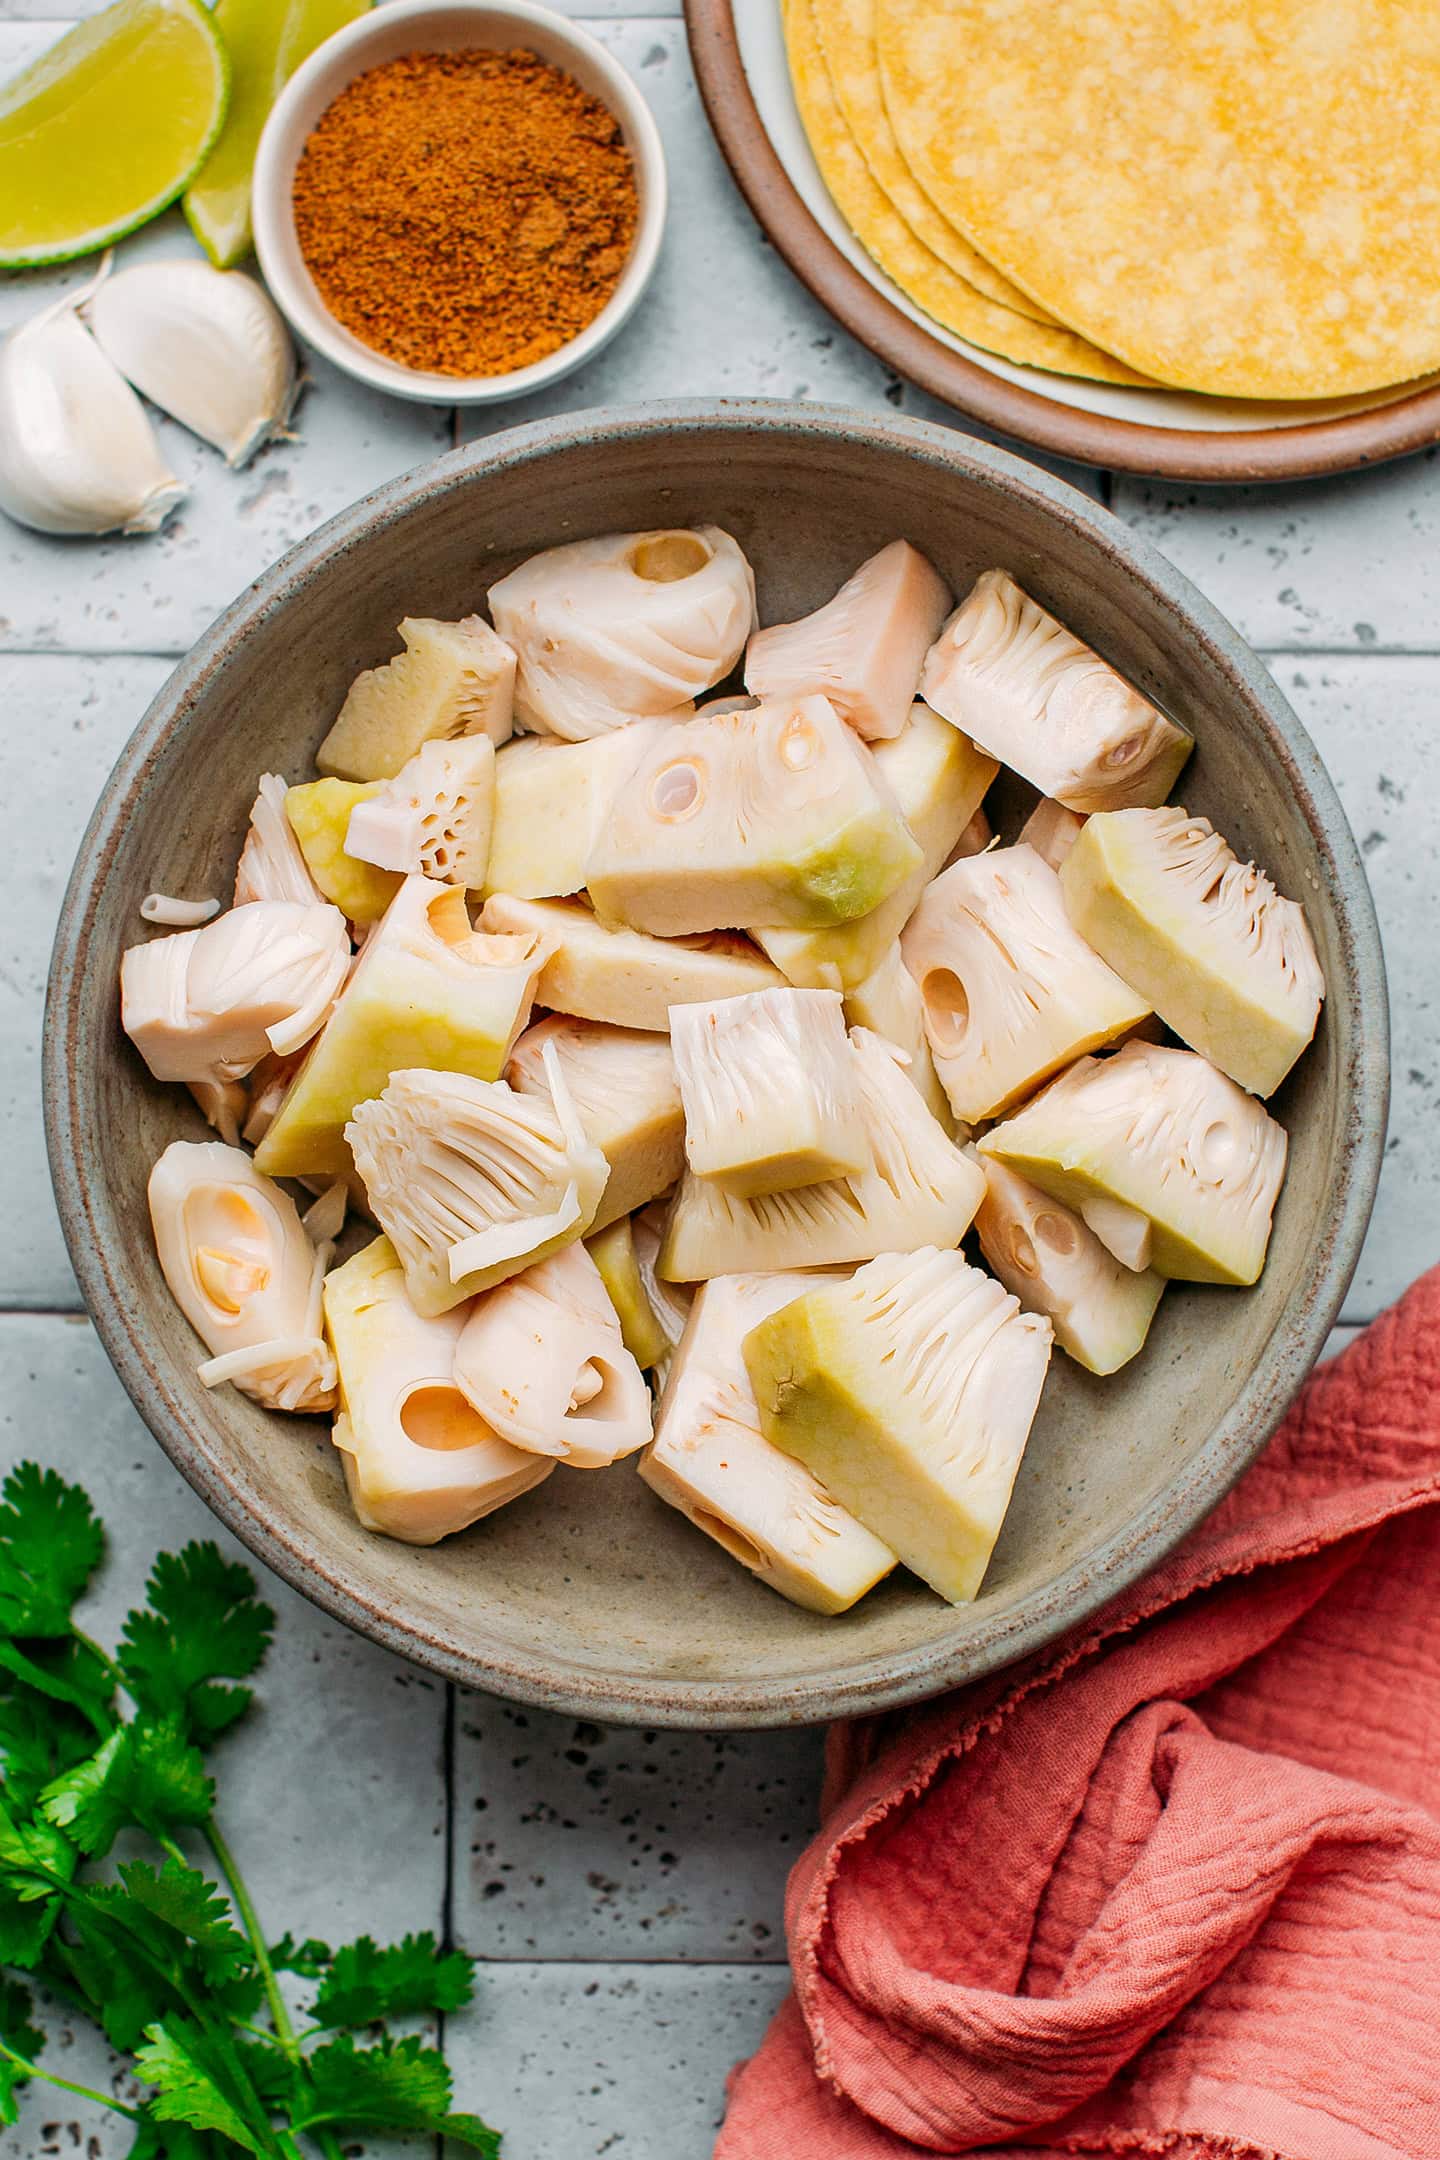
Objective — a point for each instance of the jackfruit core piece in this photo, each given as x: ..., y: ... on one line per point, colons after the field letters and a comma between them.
x: 710, y: 1460
x: 888, y: 1003
x: 613, y: 1252
x: 1163, y: 1132
x: 777, y: 816
x: 425, y: 989
x: 623, y: 976
x: 770, y: 1091
x: 916, y: 1186
x: 1047, y: 1257
x: 1225, y: 961
x: 1026, y: 689
x: 864, y: 648
x: 1011, y: 992
x: 453, y: 678
x: 420, y: 1464
x: 551, y: 801
x: 938, y: 779
x: 625, y: 627
x: 622, y: 1082
x: 319, y: 814
x: 433, y: 819
x: 909, y: 1392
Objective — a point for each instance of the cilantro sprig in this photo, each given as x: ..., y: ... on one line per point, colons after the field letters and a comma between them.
x: 173, y: 1965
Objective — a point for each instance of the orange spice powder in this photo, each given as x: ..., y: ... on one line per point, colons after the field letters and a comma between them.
x: 465, y: 212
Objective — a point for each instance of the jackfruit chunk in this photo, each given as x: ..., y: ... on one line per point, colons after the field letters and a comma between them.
x: 1010, y: 991
x: 909, y: 1391
x: 1123, y: 1231
x: 1163, y: 1132
x: 419, y: 1463
x: 777, y: 816
x: 888, y: 1004
x: 319, y: 812
x: 624, y: 977
x: 472, y: 1182
x: 670, y: 1302
x: 624, y: 627
x: 613, y: 1252
x: 240, y: 1267
x: 1025, y: 688
x: 425, y: 989
x: 542, y: 1360
x: 271, y: 865
x: 917, y: 1187
x: 551, y: 800
x: 976, y: 837
x: 1055, y: 1265
x: 623, y: 1085
x: 865, y: 648
x: 938, y: 779
x: 453, y: 678
x: 711, y: 1460
x: 1225, y: 961
x: 433, y: 819
x: 769, y: 1088
x: 207, y: 1005
x: 1052, y: 831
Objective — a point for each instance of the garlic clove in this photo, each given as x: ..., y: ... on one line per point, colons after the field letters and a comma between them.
x: 77, y: 453
x: 207, y: 346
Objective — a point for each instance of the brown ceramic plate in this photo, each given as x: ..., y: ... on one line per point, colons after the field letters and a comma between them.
x: 589, y: 1594
x: 738, y: 54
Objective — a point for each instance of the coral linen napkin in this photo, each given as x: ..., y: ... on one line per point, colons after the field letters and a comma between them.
x: 1174, y: 1889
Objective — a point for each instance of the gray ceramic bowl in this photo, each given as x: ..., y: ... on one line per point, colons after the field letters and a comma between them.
x: 589, y: 1595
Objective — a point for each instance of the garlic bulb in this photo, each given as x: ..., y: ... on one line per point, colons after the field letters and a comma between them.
x: 77, y: 454
x: 207, y: 346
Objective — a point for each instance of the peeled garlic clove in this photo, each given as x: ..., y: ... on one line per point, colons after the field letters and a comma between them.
x: 207, y: 346
x: 77, y: 454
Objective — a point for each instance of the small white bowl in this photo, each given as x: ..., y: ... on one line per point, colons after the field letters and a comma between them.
x: 406, y: 26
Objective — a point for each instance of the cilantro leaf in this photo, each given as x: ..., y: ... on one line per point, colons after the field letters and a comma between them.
x: 173, y: 1908
x: 64, y: 1672
x: 51, y: 1541
x: 203, y: 1624
x: 39, y: 1739
x: 366, y: 1984
x: 395, y: 2085
x: 100, y: 1963
x: 147, y: 1773
x: 17, y: 2032
x: 194, y: 2084
x: 35, y: 1862
x: 172, y: 2141
x: 308, y: 1958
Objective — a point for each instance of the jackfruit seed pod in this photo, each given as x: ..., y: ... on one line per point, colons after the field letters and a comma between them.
x: 419, y: 1463
x: 453, y: 678
x: 864, y: 648
x: 433, y: 818
x: 1053, y: 1262
x: 623, y: 1085
x: 625, y: 627
x: 541, y: 1358
x: 769, y: 1088
x: 471, y: 1181
x: 240, y: 1267
x: 206, y: 1005
x: 272, y: 864
x: 1052, y: 831
x: 1028, y: 691
x: 624, y: 977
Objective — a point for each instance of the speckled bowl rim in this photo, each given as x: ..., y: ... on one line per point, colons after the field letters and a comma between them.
x: 80, y: 1005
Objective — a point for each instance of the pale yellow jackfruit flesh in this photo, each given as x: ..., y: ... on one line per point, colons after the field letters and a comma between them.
x: 1226, y: 961
x: 551, y: 800
x: 613, y: 1252
x: 453, y: 678
x: 1045, y: 1254
x: 909, y: 1391
x: 433, y: 819
x: 622, y: 1082
x: 769, y: 1088
x: 1165, y: 1133
x: 711, y: 1461
x: 1026, y: 689
x: 864, y: 648
x: 888, y: 1004
x: 1011, y: 991
x: 624, y: 977
x: 319, y: 813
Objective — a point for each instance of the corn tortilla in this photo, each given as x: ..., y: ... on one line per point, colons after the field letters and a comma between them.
x: 1236, y: 196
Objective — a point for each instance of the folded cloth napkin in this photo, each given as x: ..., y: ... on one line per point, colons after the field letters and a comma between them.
x: 1171, y: 1889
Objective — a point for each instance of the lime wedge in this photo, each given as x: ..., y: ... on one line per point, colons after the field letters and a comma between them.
x: 106, y: 128
x: 266, y: 41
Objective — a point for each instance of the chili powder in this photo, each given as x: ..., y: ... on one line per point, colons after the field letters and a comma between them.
x: 465, y: 213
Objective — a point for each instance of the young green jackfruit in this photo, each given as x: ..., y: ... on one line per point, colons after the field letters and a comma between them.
x: 1225, y: 961
x: 433, y: 819
x: 1162, y: 1132
x: 1025, y: 688
x: 888, y: 1003
x: 864, y: 648
x: 471, y: 1182
x: 937, y: 778
x: 271, y: 865
x: 1011, y: 992
x: 916, y: 1186
x: 419, y: 1463
x: 453, y: 678
x: 670, y: 1302
x: 1045, y: 1254
x: 623, y: 977
x: 319, y: 813
x: 426, y: 987
x: 710, y: 1460
x: 777, y: 816
x: 613, y: 1252
x: 770, y: 1092
x: 909, y: 1392
x: 551, y: 801
x: 623, y: 1085
x: 542, y: 1359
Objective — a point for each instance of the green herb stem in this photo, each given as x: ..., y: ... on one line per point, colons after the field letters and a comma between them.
x: 250, y: 1920
x: 81, y: 2092
x: 101, y: 1657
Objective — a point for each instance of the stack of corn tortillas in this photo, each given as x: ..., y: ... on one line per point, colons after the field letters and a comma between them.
x: 1238, y: 197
